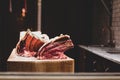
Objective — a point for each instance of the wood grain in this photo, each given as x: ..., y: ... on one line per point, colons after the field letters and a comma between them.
x: 26, y: 64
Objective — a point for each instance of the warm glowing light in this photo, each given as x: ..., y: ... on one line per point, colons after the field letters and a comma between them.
x: 23, y: 12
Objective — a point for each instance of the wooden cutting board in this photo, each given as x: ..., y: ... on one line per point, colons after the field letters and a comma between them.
x: 23, y: 64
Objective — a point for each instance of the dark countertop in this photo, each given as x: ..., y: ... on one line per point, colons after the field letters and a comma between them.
x: 103, y: 52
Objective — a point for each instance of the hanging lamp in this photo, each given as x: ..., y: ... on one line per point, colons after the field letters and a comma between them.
x: 24, y: 9
x: 10, y: 6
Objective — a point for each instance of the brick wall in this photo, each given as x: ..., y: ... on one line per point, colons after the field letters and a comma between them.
x: 116, y: 22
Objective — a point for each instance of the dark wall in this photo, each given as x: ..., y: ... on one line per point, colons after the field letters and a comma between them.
x: 12, y: 23
x: 4, y: 33
x: 71, y: 17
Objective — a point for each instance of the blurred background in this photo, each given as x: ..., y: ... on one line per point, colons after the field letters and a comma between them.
x: 84, y: 20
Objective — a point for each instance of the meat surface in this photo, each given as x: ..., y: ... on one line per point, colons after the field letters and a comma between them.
x: 29, y: 44
x: 55, y: 48
x: 41, y: 47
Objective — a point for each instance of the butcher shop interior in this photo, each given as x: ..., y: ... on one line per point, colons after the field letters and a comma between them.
x: 56, y: 38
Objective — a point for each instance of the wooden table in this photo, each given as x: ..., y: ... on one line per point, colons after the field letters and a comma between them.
x: 23, y: 64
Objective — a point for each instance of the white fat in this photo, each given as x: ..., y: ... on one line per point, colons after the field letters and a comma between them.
x: 52, y: 40
x: 36, y: 34
x: 58, y: 37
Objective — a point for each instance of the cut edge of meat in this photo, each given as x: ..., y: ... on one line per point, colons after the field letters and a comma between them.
x: 63, y: 40
x: 28, y: 44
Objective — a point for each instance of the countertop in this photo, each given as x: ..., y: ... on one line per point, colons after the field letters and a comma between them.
x: 102, y: 52
x: 58, y: 76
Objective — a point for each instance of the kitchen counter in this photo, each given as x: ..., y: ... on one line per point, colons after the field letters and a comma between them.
x: 58, y: 76
x: 103, y: 52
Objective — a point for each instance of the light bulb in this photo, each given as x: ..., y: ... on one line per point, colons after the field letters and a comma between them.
x: 23, y: 12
